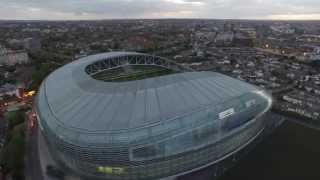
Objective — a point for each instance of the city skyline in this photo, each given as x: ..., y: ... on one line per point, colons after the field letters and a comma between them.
x: 159, y: 9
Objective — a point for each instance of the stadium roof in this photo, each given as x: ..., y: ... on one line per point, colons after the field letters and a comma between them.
x: 72, y: 99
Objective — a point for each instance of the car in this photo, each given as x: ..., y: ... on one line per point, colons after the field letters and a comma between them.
x: 55, y: 172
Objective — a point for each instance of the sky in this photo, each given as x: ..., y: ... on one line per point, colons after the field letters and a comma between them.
x: 150, y: 9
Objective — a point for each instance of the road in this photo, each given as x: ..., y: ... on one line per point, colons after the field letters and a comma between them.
x: 38, y: 156
x: 33, y: 169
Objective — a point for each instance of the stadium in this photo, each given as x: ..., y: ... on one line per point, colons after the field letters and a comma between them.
x: 126, y: 115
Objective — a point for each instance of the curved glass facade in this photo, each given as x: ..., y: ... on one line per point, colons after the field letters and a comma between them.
x: 197, y: 140
x: 114, y: 163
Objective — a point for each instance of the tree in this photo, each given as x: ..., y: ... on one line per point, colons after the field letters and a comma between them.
x: 39, y: 75
x: 15, y: 118
x: 12, y: 155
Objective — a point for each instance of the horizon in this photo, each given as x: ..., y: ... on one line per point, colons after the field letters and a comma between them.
x: 160, y: 9
x: 137, y: 19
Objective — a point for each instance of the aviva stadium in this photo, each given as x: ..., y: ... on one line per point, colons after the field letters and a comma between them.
x: 124, y: 115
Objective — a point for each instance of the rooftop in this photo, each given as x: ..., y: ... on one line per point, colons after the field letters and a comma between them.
x: 73, y: 99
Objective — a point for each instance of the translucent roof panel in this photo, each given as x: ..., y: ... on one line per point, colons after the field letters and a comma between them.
x: 71, y: 98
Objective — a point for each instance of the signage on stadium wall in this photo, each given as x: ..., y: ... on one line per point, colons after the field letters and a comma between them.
x: 226, y: 113
x: 111, y: 170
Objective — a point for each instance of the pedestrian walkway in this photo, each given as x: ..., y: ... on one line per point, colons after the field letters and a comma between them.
x: 44, y: 155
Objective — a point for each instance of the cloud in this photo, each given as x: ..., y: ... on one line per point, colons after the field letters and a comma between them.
x: 106, y: 9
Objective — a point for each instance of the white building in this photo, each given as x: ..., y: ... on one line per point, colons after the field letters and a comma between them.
x: 11, y: 58
x: 286, y: 29
x: 292, y: 100
x: 8, y: 89
x: 224, y: 38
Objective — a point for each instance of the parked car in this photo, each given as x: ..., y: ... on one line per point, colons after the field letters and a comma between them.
x: 55, y: 172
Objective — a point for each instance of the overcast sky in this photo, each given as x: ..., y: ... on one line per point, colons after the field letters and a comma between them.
x: 110, y: 9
